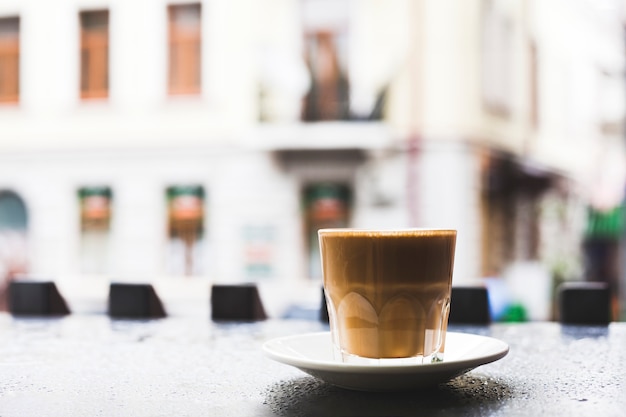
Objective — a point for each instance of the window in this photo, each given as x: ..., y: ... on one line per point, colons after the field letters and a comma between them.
x: 13, y: 236
x: 95, y: 208
x: 326, y: 29
x: 328, y: 98
x: 95, y: 224
x: 185, y: 205
x: 497, y: 55
x: 326, y: 205
x: 9, y: 59
x: 185, y: 49
x: 94, y: 54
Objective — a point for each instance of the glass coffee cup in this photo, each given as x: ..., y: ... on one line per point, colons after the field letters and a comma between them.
x: 388, y: 293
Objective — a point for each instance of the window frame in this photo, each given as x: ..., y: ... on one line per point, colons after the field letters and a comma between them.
x: 93, y: 42
x: 328, y: 96
x: 184, y: 76
x: 10, y: 50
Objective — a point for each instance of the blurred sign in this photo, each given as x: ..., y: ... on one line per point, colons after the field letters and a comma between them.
x: 259, y: 250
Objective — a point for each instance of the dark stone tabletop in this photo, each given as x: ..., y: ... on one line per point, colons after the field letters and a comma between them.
x: 95, y: 366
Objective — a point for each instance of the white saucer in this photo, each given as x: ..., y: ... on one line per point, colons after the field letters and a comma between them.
x: 312, y: 353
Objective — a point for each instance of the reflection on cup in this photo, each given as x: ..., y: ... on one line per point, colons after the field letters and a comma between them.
x: 388, y: 292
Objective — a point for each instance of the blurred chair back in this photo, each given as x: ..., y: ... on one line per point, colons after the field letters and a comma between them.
x: 584, y: 303
x: 469, y: 305
x: 35, y: 298
x: 134, y: 301
x: 324, y: 308
x: 236, y: 302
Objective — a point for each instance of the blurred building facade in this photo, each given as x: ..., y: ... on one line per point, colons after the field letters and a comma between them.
x: 213, y: 138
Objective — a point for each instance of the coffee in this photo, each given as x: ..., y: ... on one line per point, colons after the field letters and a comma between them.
x: 388, y: 292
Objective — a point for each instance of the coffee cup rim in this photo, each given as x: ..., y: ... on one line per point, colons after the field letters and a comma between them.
x: 383, y: 232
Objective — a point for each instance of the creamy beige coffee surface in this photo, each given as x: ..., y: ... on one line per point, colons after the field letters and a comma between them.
x: 388, y: 291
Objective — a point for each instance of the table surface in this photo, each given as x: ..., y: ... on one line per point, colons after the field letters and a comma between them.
x: 94, y: 366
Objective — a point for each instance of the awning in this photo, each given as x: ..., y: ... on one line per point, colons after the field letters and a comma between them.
x: 507, y: 173
x: 605, y: 224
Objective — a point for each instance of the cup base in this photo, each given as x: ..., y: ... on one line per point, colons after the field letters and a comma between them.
x: 345, y: 357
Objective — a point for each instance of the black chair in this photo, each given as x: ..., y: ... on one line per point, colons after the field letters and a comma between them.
x: 469, y: 306
x: 134, y: 301
x: 36, y: 298
x: 584, y: 303
x: 236, y: 302
x: 324, y: 308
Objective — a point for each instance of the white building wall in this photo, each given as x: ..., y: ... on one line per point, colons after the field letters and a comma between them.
x: 242, y: 189
x: 140, y: 141
x: 449, y: 191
